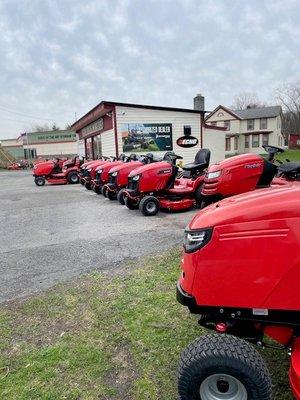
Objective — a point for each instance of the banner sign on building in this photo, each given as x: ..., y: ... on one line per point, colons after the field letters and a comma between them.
x: 93, y: 127
x: 140, y: 137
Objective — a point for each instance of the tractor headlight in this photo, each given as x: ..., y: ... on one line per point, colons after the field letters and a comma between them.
x: 100, y: 171
x: 195, y: 239
x: 114, y: 173
x: 213, y: 175
x: 136, y: 177
x: 89, y: 169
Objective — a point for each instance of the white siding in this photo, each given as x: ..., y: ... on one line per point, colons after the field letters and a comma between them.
x: 215, y: 141
x: 80, y: 147
x: 127, y: 115
x: 108, y: 143
x: 55, y: 149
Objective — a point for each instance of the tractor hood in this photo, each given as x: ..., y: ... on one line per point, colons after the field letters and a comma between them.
x: 150, y: 167
x: 87, y: 163
x: 261, y: 204
x: 235, y: 161
x: 125, y: 166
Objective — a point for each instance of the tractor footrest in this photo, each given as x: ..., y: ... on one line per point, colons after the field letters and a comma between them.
x: 177, y: 205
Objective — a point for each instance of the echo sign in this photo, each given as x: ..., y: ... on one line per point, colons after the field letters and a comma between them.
x: 185, y: 141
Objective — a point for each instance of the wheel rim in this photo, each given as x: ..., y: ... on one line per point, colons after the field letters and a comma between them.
x: 222, y: 387
x: 151, y: 207
x: 74, y: 178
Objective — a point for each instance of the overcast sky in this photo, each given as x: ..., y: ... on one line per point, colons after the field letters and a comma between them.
x: 62, y: 57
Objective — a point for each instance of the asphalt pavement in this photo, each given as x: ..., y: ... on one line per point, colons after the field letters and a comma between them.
x: 53, y: 234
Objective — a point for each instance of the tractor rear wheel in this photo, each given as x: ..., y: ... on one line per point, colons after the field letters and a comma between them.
x: 39, y: 181
x: 149, y: 206
x: 131, y: 204
x: 97, y: 189
x: 120, y: 197
x: 73, y: 177
x: 222, y: 367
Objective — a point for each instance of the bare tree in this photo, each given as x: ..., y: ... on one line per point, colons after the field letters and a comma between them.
x: 40, y: 128
x: 246, y: 100
x: 289, y: 97
x: 55, y: 127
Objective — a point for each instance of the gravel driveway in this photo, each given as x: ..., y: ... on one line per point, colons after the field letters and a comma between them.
x: 52, y: 234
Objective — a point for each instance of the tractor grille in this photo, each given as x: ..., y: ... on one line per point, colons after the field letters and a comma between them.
x: 98, y: 177
x: 133, y: 185
x: 112, y: 179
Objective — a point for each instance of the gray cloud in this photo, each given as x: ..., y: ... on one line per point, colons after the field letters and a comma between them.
x: 62, y: 57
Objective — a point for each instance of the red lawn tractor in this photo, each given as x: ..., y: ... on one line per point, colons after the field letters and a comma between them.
x: 118, y: 176
x: 51, y: 172
x: 246, y: 172
x: 241, y: 275
x: 156, y: 186
x: 89, y: 172
x: 82, y: 170
x: 101, y: 175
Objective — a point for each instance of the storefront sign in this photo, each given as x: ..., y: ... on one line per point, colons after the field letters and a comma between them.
x: 187, y: 141
x: 93, y: 127
x: 146, y: 137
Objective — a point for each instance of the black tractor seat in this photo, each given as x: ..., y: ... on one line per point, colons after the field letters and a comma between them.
x: 289, y: 167
x: 200, y: 163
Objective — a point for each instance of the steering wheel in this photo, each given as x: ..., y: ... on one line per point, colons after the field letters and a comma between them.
x: 272, y: 150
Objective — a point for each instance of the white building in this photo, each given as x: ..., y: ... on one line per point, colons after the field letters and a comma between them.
x: 113, y: 128
x: 248, y: 130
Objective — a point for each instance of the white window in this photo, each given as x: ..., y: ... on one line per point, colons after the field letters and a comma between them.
x: 227, y: 125
x: 263, y: 123
x: 255, y: 140
x: 250, y: 124
x: 228, y: 144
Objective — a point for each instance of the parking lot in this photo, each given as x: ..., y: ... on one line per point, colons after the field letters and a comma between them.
x: 52, y: 234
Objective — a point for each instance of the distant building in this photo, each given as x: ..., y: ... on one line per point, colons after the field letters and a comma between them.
x: 294, y: 141
x: 47, y: 144
x: 248, y: 130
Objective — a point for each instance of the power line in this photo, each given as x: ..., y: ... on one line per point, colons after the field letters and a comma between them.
x: 29, y: 116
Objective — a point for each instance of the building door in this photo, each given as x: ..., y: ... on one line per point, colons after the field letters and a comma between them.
x: 97, y: 146
x: 89, y: 149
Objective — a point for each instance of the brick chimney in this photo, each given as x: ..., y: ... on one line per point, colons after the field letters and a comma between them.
x: 199, y: 102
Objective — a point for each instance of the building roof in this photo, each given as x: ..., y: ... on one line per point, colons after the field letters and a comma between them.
x: 263, y: 112
x: 106, y: 104
x: 250, y: 113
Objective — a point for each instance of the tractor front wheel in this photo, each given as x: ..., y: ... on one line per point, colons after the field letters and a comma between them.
x: 104, y: 191
x: 111, y: 195
x: 120, y: 197
x: 131, y: 204
x: 39, y: 181
x: 149, y: 206
x: 222, y: 367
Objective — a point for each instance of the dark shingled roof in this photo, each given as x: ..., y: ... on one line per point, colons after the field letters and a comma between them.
x: 264, y: 112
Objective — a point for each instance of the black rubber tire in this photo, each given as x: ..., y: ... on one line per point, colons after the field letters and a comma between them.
x: 104, y: 191
x: 111, y: 195
x: 129, y: 203
x: 39, y: 181
x: 223, y: 354
x: 87, y: 185
x: 98, y: 189
x: 199, y: 197
x: 82, y: 182
x: 120, y: 197
x: 149, y: 206
x: 71, y: 178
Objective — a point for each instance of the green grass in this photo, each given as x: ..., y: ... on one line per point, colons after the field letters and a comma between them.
x: 104, y: 337
x: 292, y: 155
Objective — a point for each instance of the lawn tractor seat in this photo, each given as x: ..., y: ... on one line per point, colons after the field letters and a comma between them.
x: 291, y: 170
x: 133, y: 157
x: 200, y: 163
